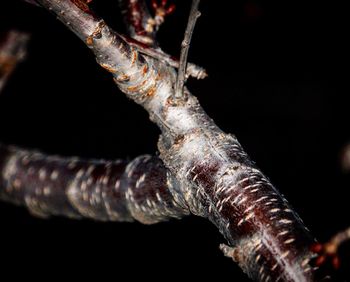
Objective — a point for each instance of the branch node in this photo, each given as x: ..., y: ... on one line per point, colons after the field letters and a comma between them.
x: 96, y: 34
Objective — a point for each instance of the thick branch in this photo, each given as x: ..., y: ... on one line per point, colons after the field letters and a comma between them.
x: 133, y: 72
x: 217, y: 179
x: 97, y: 189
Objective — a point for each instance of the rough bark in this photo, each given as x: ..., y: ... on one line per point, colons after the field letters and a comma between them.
x: 102, y: 190
x: 216, y: 178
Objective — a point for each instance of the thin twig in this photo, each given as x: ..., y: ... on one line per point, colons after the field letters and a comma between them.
x: 157, y: 53
x: 181, y: 76
x: 142, y: 30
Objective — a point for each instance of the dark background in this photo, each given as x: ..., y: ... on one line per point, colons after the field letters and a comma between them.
x: 278, y: 79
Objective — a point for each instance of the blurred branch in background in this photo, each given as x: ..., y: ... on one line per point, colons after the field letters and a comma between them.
x: 345, y: 158
x: 331, y: 254
x: 13, y: 49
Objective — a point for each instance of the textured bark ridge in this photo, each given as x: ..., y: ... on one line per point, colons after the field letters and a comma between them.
x: 220, y: 182
x: 214, y: 176
x: 97, y: 189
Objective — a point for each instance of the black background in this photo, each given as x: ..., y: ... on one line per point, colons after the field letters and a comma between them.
x: 278, y: 79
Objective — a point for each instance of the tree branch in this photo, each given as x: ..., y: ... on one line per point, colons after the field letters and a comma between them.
x: 97, y: 189
x: 142, y: 30
x: 13, y: 48
x: 185, y: 45
x: 217, y: 180
x: 330, y: 250
x: 139, y: 21
x: 191, y: 70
